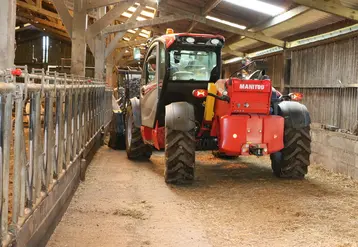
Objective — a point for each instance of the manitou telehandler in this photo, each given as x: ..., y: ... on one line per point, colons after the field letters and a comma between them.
x: 183, y: 106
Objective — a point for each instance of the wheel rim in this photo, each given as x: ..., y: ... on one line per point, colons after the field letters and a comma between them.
x: 129, y: 131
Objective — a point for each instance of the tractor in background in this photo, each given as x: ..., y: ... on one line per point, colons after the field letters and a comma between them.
x: 184, y: 106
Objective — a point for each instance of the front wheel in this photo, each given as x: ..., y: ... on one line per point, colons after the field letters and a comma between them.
x: 179, y: 156
x: 135, y: 146
x: 293, y: 160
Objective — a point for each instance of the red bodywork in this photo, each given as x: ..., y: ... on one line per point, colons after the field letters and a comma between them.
x: 245, y: 124
x: 155, y: 137
x: 169, y: 39
x: 241, y: 126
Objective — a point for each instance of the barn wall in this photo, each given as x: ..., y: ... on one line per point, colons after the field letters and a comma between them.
x: 29, y: 51
x: 328, y: 77
x: 275, y: 69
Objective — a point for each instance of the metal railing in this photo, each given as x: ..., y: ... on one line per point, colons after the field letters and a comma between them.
x: 65, y: 113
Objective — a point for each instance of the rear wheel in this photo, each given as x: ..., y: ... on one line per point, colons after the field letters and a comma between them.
x: 293, y: 160
x: 179, y: 156
x: 135, y: 146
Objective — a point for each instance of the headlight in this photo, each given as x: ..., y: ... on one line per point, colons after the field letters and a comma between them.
x: 190, y: 40
x: 215, y: 41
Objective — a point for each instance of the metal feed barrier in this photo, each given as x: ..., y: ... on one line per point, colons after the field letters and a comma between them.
x: 65, y: 116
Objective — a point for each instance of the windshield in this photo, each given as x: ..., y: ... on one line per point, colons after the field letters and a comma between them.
x: 186, y: 65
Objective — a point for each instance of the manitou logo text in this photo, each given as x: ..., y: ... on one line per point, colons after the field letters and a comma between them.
x: 252, y: 86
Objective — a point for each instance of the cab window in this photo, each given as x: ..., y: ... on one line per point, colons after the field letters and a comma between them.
x: 151, y: 66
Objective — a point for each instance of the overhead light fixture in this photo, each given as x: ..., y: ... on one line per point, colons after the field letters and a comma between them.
x: 126, y: 39
x: 233, y: 60
x: 144, y: 35
x: 139, y: 18
x: 147, y: 14
x: 225, y: 22
x: 126, y: 14
x: 132, y: 9
x: 147, y: 7
x: 259, y: 6
x: 27, y: 24
x: 146, y: 31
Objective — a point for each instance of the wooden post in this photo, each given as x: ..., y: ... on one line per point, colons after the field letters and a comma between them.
x: 7, y: 30
x: 79, y: 46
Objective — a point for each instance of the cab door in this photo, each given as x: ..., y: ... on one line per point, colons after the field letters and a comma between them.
x: 150, y: 86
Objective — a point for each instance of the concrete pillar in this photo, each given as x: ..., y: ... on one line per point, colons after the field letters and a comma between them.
x: 99, y: 49
x: 7, y: 33
x: 78, y: 56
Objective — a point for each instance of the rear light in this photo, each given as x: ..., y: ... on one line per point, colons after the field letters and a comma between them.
x: 200, y: 93
x: 296, y: 96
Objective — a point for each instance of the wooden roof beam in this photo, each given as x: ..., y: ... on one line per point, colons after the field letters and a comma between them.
x: 93, y: 4
x: 34, y: 20
x: 112, y: 46
x: 331, y: 7
x: 272, y: 22
x: 210, y: 6
x: 146, y: 23
x: 108, y: 18
x: 225, y: 27
x: 227, y: 49
x: 64, y: 14
x: 37, y: 9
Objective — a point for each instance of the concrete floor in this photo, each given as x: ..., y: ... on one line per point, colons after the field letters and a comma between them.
x: 231, y: 203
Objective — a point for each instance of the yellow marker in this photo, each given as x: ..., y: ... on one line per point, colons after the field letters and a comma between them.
x: 210, y: 103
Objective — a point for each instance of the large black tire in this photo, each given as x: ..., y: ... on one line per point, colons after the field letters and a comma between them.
x: 179, y: 156
x: 135, y: 147
x: 294, y: 158
x: 223, y: 156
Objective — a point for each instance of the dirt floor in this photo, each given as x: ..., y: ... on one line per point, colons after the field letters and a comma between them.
x: 231, y: 203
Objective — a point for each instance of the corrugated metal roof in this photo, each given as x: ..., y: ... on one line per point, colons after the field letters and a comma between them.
x: 350, y: 3
x: 310, y: 20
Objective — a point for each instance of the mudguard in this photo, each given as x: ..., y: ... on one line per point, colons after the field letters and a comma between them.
x: 135, y: 103
x: 296, y: 114
x: 180, y: 116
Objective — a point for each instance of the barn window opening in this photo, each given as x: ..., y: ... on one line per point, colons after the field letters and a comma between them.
x: 45, y: 46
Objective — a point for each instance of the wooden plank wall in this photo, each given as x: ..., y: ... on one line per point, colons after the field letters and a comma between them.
x: 275, y: 69
x: 328, y: 77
